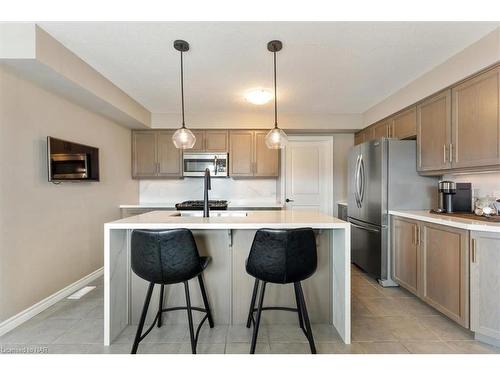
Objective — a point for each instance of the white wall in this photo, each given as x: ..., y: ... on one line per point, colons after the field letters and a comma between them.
x: 257, y: 119
x: 483, y: 184
x: 342, y: 144
x: 243, y: 191
x: 52, y: 235
x: 477, y: 56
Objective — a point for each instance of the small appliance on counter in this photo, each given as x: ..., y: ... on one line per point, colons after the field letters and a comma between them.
x: 446, y: 190
x: 454, y: 197
x: 197, y: 205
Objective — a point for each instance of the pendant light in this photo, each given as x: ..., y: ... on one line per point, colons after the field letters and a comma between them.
x: 183, y: 137
x: 276, y: 138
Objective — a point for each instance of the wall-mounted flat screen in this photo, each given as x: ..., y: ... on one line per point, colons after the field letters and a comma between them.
x: 70, y: 161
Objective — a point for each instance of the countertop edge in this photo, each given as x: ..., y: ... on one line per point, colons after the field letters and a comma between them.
x: 172, y: 205
x: 449, y: 221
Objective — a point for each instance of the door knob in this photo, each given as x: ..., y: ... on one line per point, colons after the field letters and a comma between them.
x: 288, y: 200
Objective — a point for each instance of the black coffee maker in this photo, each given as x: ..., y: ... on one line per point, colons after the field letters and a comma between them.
x: 446, y: 191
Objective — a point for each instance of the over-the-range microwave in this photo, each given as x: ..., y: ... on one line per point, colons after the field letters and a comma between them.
x: 195, y: 163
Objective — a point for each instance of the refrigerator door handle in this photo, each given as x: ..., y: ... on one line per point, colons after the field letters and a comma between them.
x: 362, y: 187
x: 356, y: 183
x: 364, y: 228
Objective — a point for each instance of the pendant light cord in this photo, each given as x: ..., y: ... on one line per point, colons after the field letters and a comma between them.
x: 182, y: 90
x: 275, y: 97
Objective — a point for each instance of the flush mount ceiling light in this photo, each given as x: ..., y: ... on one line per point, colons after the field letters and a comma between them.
x: 276, y: 138
x: 259, y: 96
x: 183, y: 137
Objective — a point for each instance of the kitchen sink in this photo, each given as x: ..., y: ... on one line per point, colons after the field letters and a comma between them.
x: 212, y: 213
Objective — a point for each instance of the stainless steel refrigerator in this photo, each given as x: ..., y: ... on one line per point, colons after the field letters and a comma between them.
x: 382, y: 176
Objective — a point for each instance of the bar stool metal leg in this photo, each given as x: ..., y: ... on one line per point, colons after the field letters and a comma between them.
x: 257, y: 320
x: 252, y: 303
x: 299, y: 310
x: 190, y: 318
x: 303, y: 307
x: 143, y: 318
x: 205, y: 301
x: 160, y: 307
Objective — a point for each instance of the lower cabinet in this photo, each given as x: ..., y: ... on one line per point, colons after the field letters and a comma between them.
x: 406, y: 254
x: 432, y: 261
x: 444, y: 253
x: 485, y: 285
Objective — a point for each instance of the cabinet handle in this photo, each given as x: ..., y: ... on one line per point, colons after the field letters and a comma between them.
x: 444, y: 154
x: 473, y: 250
x: 418, y: 235
x: 451, y: 152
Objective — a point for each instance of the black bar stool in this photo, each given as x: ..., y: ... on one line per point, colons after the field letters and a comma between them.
x: 281, y: 256
x: 168, y: 257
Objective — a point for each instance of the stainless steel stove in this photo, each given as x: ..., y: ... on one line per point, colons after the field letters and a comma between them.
x: 198, y: 205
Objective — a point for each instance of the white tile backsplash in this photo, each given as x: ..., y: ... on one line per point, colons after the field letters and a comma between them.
x: 483, y: 184
x: 237, y: 191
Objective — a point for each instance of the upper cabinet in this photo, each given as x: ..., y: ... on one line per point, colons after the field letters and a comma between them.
x: 249, y: 155
x: 210, y: 141
x: 434, y: 132
x: 381, y: 129
x: 154, y: 155
x: 404, y: 125
x: 359, y: 137
x: 475, y: 121
x: 459, y: 129
x: 144, y: 162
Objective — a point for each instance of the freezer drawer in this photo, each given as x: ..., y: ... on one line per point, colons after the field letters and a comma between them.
x: 366, y: 247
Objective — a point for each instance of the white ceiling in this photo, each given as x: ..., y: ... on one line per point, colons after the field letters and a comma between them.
x: 324, y: 67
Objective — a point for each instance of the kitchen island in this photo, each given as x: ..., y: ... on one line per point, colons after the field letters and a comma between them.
x: 227, y: 237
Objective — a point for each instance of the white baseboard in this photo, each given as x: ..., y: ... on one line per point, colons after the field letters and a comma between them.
x: 37, y: 308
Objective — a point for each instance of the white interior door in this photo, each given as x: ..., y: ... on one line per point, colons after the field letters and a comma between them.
x: 308, y: 180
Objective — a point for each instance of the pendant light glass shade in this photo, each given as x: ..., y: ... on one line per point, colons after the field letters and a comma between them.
x: 276, y: 138
x: 184, y: 138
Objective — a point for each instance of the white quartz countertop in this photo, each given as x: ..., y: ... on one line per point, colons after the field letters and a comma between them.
x: 457, y: 222
x: 276, y: 219
x: 230, y: 205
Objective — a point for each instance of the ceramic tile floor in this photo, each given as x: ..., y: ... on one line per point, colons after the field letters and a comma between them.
x: 383, y: 321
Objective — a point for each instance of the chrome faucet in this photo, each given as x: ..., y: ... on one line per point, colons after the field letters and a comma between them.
x: 207, y: 187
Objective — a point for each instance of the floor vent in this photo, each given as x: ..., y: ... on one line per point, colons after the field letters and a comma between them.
x: 80, y: 293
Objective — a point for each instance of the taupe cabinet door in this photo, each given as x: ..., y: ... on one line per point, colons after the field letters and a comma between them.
x: 485, y: 284
x: 154, y: 155
x: 241, y: 151
x: 169, y: 157
x: 216, y: 141
x: 404, y: 124
x: 475, y: 122
x: 249, y: 155
x: 406, y: 253
x: 434, y: 132
x: 381, y: 130
x: 445, y: 270
x: 210, y: 141
x: 359, y: 137
x: 199, y: 145
x: 144, y: 154
x: 266, y: 159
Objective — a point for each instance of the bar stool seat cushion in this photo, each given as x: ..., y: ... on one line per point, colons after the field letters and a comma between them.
x: 282, y: 256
